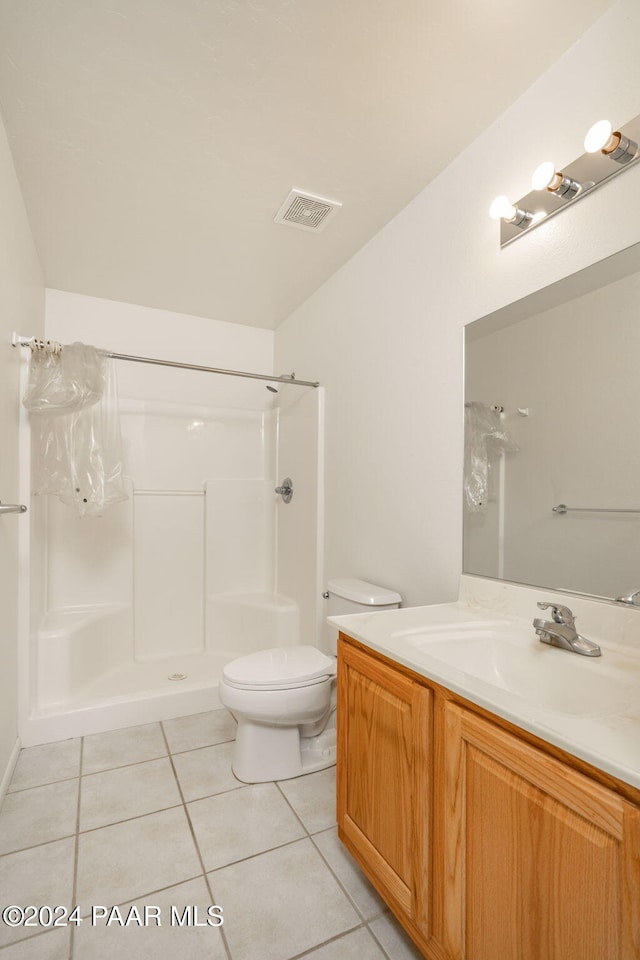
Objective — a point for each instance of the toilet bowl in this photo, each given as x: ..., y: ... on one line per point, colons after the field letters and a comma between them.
x: 284, y: 698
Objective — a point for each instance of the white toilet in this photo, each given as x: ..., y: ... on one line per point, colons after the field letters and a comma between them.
x: 284, y: 698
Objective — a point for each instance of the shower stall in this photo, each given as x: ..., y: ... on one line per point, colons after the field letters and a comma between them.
x: 129, y: 617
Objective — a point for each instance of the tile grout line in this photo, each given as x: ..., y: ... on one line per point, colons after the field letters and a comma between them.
x: 74, y: 890
x: 116, y: 823
x: 16, y: 943
x: 291, y: 807
x: 279, y: 846
x: 123, y: 766
x: 205, y: 746
x: 310, y: 836
x: 44, y: 783
x: 163, y: 756
x: 318, y: 946
x: 194, y: 838
x: 116, y: 766
x: 36, y: 786
x: 149, y: 893
x: 121, y: 903
x: 34, y: 846
x: 364, y: 921
x: 89, y: 773
x: 133, y: 763
x: 139, y: 816
x: 42, y: 933
x: 337, y: 878
x: 307, y: 834
x: 57, y: 840
x: 379, y: 942
x: 78, y: 832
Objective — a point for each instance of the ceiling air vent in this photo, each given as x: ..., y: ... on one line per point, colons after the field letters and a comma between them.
x: 306, y: 211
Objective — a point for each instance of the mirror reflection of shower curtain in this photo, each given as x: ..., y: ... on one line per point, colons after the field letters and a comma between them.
x: 484, y: 436
x: 72, y: 397
x: 486, y: 443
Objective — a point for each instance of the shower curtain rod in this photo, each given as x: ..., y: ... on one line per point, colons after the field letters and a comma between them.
x: 18, y: 341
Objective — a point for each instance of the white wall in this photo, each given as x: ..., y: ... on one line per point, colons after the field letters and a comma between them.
x: 22, y: 299
x: 163, y: 334
x: 384, y: 334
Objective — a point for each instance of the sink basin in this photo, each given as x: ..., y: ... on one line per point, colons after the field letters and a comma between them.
x: 510, y: 657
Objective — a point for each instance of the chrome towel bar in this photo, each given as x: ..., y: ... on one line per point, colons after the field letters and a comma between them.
x: 563, y: 508
x: 12, y: 508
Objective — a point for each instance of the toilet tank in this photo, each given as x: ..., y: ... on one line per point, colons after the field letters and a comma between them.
x: 355, y: 596
x: 358, y: 596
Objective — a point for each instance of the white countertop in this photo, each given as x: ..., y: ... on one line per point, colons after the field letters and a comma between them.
x: 605, y: 731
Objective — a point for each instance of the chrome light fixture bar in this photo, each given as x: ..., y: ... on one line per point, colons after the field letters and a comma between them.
x: 608, y: 153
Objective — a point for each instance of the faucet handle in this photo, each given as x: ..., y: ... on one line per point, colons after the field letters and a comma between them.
x: 559, y: 614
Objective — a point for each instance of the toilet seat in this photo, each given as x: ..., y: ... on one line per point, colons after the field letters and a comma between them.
x: 280, y: 668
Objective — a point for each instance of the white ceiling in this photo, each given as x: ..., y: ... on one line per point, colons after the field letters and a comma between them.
x: 155, y: 140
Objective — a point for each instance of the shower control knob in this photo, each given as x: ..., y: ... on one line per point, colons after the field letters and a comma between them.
x: 286, y: 489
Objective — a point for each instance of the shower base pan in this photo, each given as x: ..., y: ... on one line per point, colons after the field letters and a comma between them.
x: 86, y: 679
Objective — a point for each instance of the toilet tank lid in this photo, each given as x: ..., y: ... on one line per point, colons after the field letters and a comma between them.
x: 362, y: 592
x: 278, y: 665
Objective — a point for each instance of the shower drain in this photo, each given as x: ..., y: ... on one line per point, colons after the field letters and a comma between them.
x: 177, y: 676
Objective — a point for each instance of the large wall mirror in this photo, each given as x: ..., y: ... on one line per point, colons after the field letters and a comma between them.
x: 552, y: 435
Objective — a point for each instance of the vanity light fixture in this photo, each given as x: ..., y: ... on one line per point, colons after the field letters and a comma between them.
x: 545, y: 177
x: 555, y: 190
x: 502, y: 209
x: 601, y: 137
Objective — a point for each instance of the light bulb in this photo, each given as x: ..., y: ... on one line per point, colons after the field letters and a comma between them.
x: 600, y: 137
x: 502, y: 209
x: 545, y: 176
x: 614, y: 145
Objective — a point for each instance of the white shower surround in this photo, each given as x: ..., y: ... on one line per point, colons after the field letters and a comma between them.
x: 201, y: 564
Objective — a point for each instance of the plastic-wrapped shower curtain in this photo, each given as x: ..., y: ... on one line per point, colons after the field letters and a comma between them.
x: 77, y: 455
x: 484, y: 434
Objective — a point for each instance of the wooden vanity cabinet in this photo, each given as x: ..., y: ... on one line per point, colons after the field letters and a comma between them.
x: 384, y: 781
x: 485, y: 846
x: 541, y: 861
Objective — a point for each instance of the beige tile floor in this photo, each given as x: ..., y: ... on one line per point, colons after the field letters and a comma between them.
x: 152, y: 817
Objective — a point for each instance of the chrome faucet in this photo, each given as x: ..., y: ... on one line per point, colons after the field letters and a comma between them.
x: 561, y: 631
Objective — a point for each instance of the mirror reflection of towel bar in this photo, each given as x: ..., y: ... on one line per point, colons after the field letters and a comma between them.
x: 563, y: 508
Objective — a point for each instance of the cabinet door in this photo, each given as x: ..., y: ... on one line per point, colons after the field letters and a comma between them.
x: 541, y: 863
x: 384, y: 728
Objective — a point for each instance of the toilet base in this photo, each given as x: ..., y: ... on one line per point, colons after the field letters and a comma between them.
x: 264, y: 753
x: 319, y: 752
